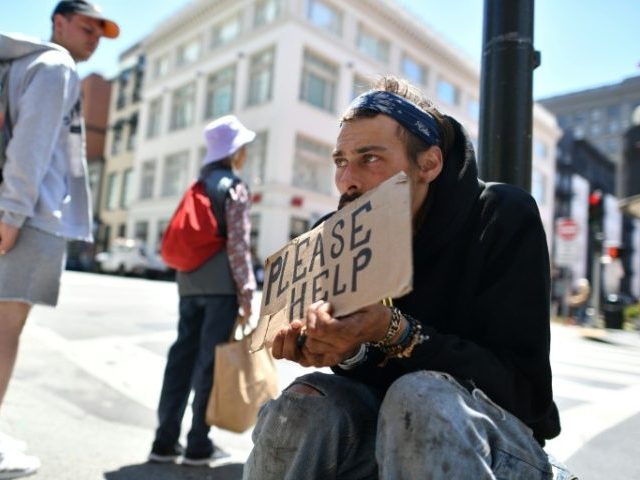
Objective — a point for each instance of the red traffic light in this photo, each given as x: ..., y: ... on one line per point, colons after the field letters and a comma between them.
x: 595, y: 198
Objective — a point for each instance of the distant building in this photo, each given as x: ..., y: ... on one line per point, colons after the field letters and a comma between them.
x: 600, y: 115
x: 580, y: 169
x: 590, y: 155
x: 120, y: 147
x: 287, y: 69
x: 95, y: 94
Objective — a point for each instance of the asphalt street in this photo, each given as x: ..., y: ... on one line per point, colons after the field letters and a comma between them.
x: 89, y: 372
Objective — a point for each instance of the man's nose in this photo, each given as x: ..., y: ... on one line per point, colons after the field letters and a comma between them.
x: 349, y: 181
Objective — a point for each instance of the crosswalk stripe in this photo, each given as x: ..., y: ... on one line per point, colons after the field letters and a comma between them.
x: 612, y: 408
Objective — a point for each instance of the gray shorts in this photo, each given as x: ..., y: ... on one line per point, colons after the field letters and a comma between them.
x: 30, y: 272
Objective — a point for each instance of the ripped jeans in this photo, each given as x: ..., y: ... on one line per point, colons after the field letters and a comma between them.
x: 426, y: 426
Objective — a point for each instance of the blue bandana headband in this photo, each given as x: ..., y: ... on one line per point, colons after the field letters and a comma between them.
x: 422, y: 124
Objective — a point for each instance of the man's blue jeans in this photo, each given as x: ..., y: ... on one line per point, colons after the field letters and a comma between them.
x: 205, y: 321
x: 426, y: 426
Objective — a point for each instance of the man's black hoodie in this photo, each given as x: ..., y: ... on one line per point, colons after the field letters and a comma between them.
x: 481, y: 292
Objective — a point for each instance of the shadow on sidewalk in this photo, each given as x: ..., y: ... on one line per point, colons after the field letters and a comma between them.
x: 155, y: 471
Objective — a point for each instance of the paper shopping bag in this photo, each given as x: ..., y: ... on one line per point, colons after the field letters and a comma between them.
x: 242, y: 382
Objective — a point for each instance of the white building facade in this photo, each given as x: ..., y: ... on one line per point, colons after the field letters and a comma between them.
x: 287, y: 69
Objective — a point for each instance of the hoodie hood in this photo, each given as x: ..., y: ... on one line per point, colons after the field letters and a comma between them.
x: 450, y: 199
x: 15, y: 45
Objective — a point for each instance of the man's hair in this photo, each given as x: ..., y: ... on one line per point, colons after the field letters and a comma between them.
x: 67, y: 15
x: 403, y: 88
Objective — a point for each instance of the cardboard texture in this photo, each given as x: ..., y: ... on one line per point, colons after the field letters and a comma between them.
x: 357, y: 257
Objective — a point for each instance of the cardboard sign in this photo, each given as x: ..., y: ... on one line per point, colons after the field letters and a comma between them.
x: 356, y: 258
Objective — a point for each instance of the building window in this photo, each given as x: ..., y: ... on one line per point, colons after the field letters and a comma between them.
x: 95, y: 177
x: 174, y: 175
x: 325, y: 16
x: 147, y: 179
x: 297, y: 226
x: 254, y: 168
x: 372, y: 45
x: 220, y: 92
x: 160, y: 66
x: 188, y: 52
x: 161, y: 227
x: 122, y: 230
x: 125, y: 189
x: 632, y: 115
x: 613, y: 119
x: 141, y: 231
x: 226, y: 31
x: 154, y: 119
x: 319, y: 82
x: 312, y: 169
x: 266, y: 12
x: 473, y: 108
x: 260, y: 77
x: 538, y: 186
x: 539, y: 149
x: 612, y: 146
x: 122, y: 90
x: 133, y: 132
x: 182, y: 106
x: 360, y: 85
x: 112, y: 191
x: 106, y: 237
x: 447, y: 92
x: 254, y: 236
x: 564, y: 121
x: 116, y: 141
x: 413, y: 71
x: 138, y: 79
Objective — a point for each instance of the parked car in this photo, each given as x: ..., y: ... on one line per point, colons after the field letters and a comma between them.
x: 128, y: 256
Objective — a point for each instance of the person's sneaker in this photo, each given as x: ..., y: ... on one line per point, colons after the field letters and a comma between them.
x: 7, y: 442
x: 15, y: 464
x: 160, y: 454
x: 217, y: 457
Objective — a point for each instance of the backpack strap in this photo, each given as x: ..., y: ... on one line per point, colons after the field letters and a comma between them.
x: 217, y: 184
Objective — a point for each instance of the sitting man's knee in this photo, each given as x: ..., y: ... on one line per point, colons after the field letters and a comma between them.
x: 424, y: 389
x: 304, y: 389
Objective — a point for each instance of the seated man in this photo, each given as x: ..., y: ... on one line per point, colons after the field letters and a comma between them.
x: 453, y: 380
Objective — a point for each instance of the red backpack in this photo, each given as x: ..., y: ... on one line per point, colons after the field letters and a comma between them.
x: 192, y: 235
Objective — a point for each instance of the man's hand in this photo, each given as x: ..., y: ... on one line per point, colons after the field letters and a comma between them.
x: 8, y: 237
x: 330, y: 340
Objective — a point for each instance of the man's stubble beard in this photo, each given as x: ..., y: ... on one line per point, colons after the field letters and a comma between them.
x: 347, y: 198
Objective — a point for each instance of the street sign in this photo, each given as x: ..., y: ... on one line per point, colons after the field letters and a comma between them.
x: 567, y: 252
x: 567, y: 229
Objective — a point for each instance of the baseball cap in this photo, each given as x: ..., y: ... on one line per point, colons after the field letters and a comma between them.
x: 224, y: 137
x: 88, y: 9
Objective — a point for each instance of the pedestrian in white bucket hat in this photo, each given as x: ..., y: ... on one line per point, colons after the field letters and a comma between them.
x: 225, y: 136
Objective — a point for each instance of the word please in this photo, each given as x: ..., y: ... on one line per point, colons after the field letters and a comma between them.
x: 318, y: 268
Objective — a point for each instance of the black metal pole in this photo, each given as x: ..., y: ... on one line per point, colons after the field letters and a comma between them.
x: 506, y: 89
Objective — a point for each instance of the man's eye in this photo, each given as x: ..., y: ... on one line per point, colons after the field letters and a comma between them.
x: 370, y: 158
x: 340, y: 162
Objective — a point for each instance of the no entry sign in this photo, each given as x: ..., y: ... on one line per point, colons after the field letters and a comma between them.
x: 566, y: 245
x: 567, y: 228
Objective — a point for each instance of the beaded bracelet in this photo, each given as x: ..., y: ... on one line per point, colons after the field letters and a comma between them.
x: 412, y: 339
x: 392, y: 330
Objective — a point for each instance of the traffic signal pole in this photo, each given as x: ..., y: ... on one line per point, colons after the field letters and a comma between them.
x: 596, y: 217
x: 506, y: 87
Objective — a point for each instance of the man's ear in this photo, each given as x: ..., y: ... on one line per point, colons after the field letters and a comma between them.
x: 56, y: 24
x: 430, y: 164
